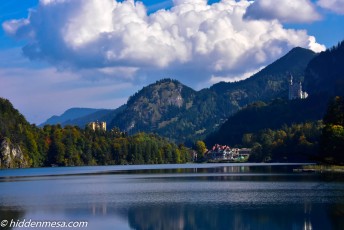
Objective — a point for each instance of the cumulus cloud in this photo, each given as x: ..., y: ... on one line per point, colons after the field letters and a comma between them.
x: 336, y: 6
x: 289, y: 11
x: 192, y: 37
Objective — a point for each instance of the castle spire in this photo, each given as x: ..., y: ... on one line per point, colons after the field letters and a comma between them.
x: 295, y: 90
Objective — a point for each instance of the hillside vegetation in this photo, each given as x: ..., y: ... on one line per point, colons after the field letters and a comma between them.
x: 332, y: 138
x: 184, y: 115
x: 325, y: 73
x: 72, y: 146
x: 295, y: 130
x: 259, y: 116
x: 250, y: 113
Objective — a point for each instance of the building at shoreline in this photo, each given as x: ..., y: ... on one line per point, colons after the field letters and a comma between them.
x: 226, y: 153
x: 295, y: 90
x: 97, y: 125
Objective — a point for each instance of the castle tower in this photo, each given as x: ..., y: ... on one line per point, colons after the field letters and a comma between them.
x: 95, y: 125
x: 291, y: 88
x: 295, y: 90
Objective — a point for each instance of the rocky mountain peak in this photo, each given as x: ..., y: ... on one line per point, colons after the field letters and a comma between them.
x: 157, y: 105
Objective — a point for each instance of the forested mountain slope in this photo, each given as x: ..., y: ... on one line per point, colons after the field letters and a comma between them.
x: 184, y: 115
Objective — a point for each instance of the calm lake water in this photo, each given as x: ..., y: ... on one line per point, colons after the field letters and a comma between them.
x: 191, y: 196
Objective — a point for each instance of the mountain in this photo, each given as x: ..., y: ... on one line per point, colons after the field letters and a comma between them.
x: 325, y: 73
x: 263, y: 123
x: 269, y: 83
x: 155, y: 106
x: 70, y: 114
x: 82, y: 116
x: 184, y: 115
x: 260, y: 116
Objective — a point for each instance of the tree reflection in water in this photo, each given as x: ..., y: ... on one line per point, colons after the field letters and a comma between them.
x: 10, y: 214
x: 224, y: 217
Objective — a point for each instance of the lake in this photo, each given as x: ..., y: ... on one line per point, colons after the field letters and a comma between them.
x: 188, y: 196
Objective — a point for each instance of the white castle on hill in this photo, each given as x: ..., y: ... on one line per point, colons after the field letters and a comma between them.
x: 295, y: 90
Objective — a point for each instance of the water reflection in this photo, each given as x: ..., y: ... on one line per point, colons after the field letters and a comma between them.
x: 336, y: 214
x: 219, y: 197
x: 8, y: 214
x: 196, y: 216
x: 222, y: 217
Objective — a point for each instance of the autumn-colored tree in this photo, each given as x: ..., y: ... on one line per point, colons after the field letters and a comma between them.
x: 201, y: 149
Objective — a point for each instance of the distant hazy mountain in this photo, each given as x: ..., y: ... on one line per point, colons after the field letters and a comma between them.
x: 106, y: 115
x: 82, y: 116
x: 182, y: 114
x: 69, y: 114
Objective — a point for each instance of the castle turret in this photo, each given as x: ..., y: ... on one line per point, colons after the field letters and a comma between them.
x: 295, y: 90
x: 97, y: 126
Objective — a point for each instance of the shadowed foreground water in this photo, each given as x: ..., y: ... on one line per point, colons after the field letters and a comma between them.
x: 206, y: 196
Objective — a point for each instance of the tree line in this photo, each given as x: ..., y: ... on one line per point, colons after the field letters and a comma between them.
x: 294, y: 143
x: 73, y: 146
x: 321, y: 140
x: 332, y: 138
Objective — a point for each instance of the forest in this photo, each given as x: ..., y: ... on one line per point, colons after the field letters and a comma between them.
x: 320, y: 141
x: 332, y: 137
x: 288, y: 131
x: 295, y: 143
x: 276, y: 129
x: 54, y: 145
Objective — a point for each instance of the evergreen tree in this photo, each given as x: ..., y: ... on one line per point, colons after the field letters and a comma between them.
x: 332, y: 139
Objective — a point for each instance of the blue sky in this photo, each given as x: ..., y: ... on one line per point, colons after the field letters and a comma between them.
x: 56, y: 54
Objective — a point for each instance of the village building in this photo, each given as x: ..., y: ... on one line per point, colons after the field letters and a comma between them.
x: 226, y: 153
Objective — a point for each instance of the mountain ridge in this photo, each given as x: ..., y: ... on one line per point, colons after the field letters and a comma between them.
x: 82, y: 116
x: 69, y: 114
x: 183, y: 115
x: 208, y: 108
x: 165, y: 99
x: 323, y: 80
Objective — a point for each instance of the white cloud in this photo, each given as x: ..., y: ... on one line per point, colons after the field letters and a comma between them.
x: 290, y: 11
x: 315, y: 46
x: 192, y: 38
x: 12, y: 27
x: 119, y: 72
x: 336, y: 6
